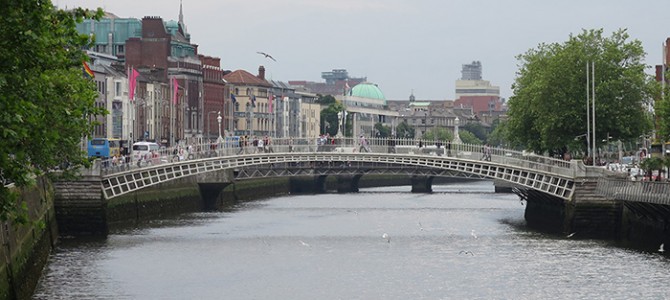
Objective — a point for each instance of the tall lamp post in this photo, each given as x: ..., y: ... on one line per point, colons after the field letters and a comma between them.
x: 209, y: 133
x: 219, y: 119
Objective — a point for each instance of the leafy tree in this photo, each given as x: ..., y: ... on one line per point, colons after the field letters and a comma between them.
x: 438, y: 133
x: 468, y: 138
x: 548, y: 108
x: 404, y: 130
x: 652, y: 164
x: 477, y: 129
x: 45, y: 102
x: 326, y: 100
x: 329, y: 120
x: 384, y: 131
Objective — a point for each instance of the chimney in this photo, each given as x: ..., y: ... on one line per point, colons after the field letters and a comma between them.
x: 261, y: 72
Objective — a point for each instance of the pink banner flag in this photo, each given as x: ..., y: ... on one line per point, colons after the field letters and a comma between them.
x: 270, y: 100
x: 132, y: 83
x: 175, y: 89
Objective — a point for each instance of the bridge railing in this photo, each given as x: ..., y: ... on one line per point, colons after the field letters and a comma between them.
x: 337, y: 145
x: 635, y: 191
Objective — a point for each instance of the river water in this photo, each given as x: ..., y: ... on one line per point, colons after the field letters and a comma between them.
x: 461, y: 242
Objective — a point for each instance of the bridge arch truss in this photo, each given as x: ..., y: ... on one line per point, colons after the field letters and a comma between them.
x: 553, y: 180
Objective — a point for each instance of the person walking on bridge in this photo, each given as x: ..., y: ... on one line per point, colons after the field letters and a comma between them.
x: 364, y: 144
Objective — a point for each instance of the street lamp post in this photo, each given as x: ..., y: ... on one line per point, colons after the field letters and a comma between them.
x: 209, y: 133
x: 218, y: 119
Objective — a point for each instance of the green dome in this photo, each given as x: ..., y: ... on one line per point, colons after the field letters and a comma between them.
x: 368, y: 90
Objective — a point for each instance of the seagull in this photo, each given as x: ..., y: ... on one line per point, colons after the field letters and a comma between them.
x: 266, y: 55
x: 386, y: 237
x: 304, y: 244
x: 472, y: 233
x: 570, y: 235
x: 660, y: 249
x: 466, y: 252
x: 420, y: 227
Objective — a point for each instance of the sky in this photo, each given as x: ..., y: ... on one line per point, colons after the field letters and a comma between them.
x: 403, y: 46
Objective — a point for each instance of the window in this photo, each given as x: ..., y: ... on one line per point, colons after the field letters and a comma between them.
x: 117, y: 88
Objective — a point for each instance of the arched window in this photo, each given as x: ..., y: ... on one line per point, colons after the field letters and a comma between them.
x: 237, y: 106
x: 248, y: 92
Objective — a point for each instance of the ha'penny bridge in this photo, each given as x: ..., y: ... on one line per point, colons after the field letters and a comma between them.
x: 554, y: 189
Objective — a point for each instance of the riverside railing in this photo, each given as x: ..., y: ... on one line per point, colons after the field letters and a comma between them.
x: 230, y: 147
x: 635, y: 191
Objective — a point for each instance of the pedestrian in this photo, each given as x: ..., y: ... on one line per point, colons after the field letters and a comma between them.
x: 364, y: 144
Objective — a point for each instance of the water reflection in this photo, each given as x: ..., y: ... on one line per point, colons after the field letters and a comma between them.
x: 331, y: 247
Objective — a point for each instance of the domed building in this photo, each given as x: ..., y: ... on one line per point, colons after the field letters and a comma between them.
x: 366, y: 104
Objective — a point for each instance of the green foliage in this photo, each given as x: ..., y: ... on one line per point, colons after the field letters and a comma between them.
x: 326, y: 100
x: 329, y: 120
x: 45, y: 102
x: 652, y: 164
x: 384, y: 131
x: 468, y: 137
x: 548, y: 108
x: 438, y: 133
x: 477, y: 129
x: 404, y: 130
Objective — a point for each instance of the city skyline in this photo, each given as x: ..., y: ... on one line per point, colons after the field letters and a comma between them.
x: 401, y: 45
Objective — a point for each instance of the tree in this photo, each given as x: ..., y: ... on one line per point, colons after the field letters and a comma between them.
x: 45, y: 102
x: 477, y: 129
x: 468, y: 138
x: 329, y: 120
x: 326, y: 100
x: 404, y: 131
x: 383, y: 131
x: 438, y: 133
x: 651, y: 164
x: 548, y: 108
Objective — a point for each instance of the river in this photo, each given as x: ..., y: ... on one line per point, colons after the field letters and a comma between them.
x: 463, y: 241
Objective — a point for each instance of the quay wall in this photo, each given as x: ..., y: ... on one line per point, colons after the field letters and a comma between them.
x: 26, y: 247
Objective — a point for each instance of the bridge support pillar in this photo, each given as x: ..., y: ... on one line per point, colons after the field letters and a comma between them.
x: 502, y: 186
x: 210, y: 192
x: 422, y: 184
x: 307, y: 185
x: 347, y: 184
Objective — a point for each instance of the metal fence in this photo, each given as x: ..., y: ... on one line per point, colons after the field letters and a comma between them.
x: 343, y: 145
x: 636, y: 191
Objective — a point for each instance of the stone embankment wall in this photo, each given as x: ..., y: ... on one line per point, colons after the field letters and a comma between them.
x: 25, y: 248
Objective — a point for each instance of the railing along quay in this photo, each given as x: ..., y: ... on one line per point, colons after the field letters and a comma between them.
x: 635, y: 191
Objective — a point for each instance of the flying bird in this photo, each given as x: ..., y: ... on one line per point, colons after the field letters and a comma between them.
x: 266, y: 55
x: 466, y: 252
x: 661, y: 248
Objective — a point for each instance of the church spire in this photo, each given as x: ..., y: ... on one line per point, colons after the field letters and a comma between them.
x: 181, y: 14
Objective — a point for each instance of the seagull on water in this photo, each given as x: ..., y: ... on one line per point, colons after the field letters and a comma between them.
x: 266, y: 55
x: 420, y: 227
x: 661, y: 248
x: 386, y: 237
x: 472, y: 233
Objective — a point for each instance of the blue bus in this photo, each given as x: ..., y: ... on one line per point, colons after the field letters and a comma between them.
x: 103, y: 147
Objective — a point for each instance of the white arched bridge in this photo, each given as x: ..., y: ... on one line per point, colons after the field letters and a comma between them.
x: 341, y: 157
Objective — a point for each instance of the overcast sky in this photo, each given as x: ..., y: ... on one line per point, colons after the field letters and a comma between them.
x: 401, y: 45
